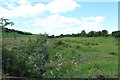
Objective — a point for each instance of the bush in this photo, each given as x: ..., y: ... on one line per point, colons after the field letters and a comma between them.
x: 26, y: 60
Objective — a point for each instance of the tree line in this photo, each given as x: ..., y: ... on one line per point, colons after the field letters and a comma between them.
x: 7, y: 30
x: 103, y: 33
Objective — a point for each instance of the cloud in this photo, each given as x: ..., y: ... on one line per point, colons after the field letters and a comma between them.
x: 25, y: 9
x: 56, y: 21
x: 4, y: 12
x: 41, y: 18
x: 88, y: 26
x: 92, y: 26
x: 23, y: 2
x: 113, y: 29
x: 29, y: 10
x: 49, y: 23
x: 58, y: 24
x: 61, y: 6
x: 10, y: 5
x: 97, y: 19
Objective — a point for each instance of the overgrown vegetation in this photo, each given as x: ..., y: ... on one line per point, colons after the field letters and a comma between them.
x: 61, y: 56
x: 27, y: 60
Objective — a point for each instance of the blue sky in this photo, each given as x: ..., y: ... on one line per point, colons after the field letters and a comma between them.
x: 60, y: 17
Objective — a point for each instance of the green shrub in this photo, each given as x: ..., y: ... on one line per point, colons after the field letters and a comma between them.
x: 26, y: 60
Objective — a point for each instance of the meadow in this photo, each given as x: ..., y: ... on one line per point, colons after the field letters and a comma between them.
x: 67, y: 57
x: 82, y: 55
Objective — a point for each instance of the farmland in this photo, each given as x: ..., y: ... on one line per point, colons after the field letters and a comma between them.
x: 67, y: 57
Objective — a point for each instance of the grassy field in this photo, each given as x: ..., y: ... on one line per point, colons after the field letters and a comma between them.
x: 15, y: 35
x: 87, y: 57
x: 77, y: 57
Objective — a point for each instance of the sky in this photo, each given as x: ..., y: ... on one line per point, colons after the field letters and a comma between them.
x: 60, y: 16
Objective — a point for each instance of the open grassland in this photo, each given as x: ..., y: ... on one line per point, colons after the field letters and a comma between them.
x: 72, y: 57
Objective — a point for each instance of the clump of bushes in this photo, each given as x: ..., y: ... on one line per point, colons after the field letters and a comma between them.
x: 27, y: 60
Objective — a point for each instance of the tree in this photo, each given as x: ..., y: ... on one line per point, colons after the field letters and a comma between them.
x: 61, y: 35
x: 97, y: 34
x: 52, y: 36
x: 116, y: 34
x: 4, y: 22
x: 78, y: 34
x: 73, y: 35
x: 83, y: 33
x: 91, y: 34
x: 104, y: 33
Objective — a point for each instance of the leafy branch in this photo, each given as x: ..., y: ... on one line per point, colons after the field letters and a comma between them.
x: 4, y: 22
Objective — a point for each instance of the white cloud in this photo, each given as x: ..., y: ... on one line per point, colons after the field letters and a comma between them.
x: 113, y: 29
x: 28, y: 10
x: 92, y: 26
x: 88, y: 26
x: 4, y: 12
x: 25, y: 9
x: 52, y: 23
x: 10, y: 5
x: 60, y: 6
x: 57, y: 21
x: 23, y: 2
x: 58, y: 24
x: 97, y: 19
